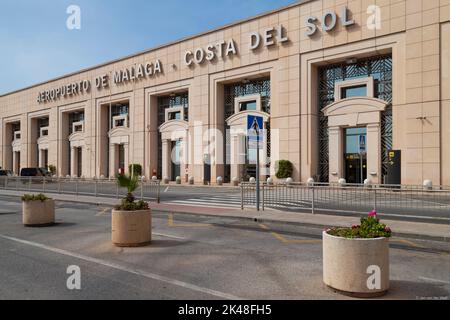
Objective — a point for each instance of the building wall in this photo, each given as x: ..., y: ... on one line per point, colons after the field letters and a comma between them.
x: 417, y: 32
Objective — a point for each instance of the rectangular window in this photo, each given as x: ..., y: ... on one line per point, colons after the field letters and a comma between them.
x: 76, y: 118
x: 121, y: 111
x: 353, y: 139
x: 248, y: 106
x: 175, y: 115
x: 356, y: 91
x: 119, y: 123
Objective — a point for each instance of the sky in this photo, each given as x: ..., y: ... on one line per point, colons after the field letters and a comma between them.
x: 36, y: 45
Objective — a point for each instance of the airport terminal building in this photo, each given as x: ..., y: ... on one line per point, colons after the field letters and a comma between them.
x: 356, y: 89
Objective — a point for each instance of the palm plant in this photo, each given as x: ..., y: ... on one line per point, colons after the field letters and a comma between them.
x: 131, y: 183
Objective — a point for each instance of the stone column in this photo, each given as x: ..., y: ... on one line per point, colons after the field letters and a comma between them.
x: 183, y: 158
x: 374, y: 153
x: 113, y: 160
x: 126, y: 151
x: 336, y: 153
x: 235, y: 156
x: 15, y: 162
x: 166, y: 159
x: 40, y: 157
x: 73, y: 162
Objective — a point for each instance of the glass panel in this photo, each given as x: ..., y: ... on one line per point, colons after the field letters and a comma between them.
x: 356, y: 91
x: 175, y: 115
x: 247, y: 106
x: 352, y: 137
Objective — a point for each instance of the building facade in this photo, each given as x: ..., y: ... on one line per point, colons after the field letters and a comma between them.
x: 356, y: 89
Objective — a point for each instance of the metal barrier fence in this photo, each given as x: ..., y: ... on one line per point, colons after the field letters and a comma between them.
x: 317, y: 197
x: 148, y: 190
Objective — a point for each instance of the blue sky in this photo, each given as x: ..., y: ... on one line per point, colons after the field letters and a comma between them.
x: 35, y: 44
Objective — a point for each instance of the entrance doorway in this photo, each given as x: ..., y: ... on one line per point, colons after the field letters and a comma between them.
x: 176, y: 159
x: 355, y: 157
x: 79, y: 161
x: 44, y: 163
x: 121, y: 148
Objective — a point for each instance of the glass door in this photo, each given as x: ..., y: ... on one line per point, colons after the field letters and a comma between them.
x: 176, y: 163
x: 79, y: 162
x: 355, y: 157
x: 122, y: 159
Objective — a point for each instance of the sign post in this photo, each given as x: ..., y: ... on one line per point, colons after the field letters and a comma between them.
x: 255, y: 127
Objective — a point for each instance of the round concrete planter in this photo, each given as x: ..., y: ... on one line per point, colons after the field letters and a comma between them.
x: 348, y: 265
x: 131, y: 228
x: 38, y: 213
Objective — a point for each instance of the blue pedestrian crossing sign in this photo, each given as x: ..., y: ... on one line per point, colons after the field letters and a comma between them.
x: 362, y: 144
x: 255, y: 131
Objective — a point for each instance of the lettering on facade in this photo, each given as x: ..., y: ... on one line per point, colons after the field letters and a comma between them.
x: 221, y: 49
x: 269, y: 37
x: 141, y: 71
x: 72, y: 89
x: 329, y: 21
x: 212, y: 51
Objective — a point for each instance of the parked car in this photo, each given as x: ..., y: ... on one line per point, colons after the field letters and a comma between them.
x: 6, y: 173
x: 31, y: 172
x: 35, y: 172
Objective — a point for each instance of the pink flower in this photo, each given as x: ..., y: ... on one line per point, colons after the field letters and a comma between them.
x: 355, y: 226
x: 373, y: 214
x: 387, y: 229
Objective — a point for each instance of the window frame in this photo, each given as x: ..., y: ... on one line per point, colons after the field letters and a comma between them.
x: 342, y: 85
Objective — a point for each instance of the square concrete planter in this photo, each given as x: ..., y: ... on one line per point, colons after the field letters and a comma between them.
x: 38, y: 213
x: 349, y: 265
x: 131, y: 228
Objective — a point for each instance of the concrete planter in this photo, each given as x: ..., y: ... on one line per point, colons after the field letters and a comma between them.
x: 131, y: 228
x: 349, y: 264
x: 38, y: 213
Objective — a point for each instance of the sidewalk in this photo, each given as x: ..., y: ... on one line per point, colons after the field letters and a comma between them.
x: 402, y: 229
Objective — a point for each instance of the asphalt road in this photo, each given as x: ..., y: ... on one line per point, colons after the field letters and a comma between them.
x: 190, y: 258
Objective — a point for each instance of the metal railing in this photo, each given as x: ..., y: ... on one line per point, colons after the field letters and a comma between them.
x: 348, y: 198
x: 148, y: 190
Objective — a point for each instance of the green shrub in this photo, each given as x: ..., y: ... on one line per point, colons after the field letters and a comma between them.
x: 137, y: 169
x: 370, y: 228
x: 33, y: 197
x: 126, y: 205
x: 131, y: 183
x: 52, y: 169
x: 285, y: 169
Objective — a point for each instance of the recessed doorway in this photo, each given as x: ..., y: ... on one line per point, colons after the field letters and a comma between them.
x: 355, y: 157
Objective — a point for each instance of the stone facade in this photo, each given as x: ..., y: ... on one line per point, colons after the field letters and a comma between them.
x: 416, y: 33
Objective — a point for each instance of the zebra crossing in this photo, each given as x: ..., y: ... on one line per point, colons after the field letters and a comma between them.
x: 219, y: 201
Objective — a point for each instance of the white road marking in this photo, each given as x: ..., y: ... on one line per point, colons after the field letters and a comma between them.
x: 142, y: 273
x: 205, y: 204
x: 167, y: 236
x: 434, y: 280
x: 167, y: 190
